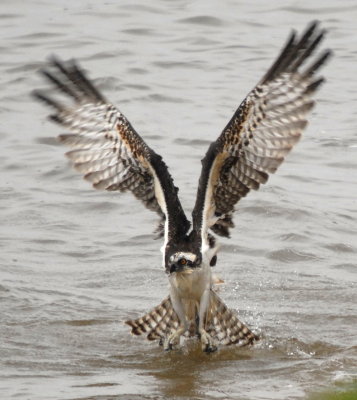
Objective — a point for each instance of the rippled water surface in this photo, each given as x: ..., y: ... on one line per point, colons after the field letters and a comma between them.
x: 75, y: 263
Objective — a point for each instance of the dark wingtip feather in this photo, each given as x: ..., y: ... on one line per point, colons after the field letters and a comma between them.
x: 312, y: 25
x: 306, y: 49
x: 297, y: 51
x: 283, y: 54
x: 63, y: 87
x: 38, y: 95
x: 320, y: 61
x: 70, y: 79
x: 58, y: 63
x: 85, y: 82
x: 55, y: 118
x: 314, y: 85
x: 309, y: 32
x: 53, y: 59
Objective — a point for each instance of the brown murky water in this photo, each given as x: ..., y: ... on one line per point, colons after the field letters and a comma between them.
x: 75, y: 263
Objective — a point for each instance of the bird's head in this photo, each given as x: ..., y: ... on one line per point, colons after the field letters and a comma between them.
x: 182, y: 261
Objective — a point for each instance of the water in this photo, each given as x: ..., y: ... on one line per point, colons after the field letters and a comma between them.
x: 75, y: 263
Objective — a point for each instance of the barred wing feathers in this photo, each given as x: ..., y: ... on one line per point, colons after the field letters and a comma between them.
x: 260, y: 134
x: 107, y: 149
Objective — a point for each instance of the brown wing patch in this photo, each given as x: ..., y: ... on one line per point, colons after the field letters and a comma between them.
x: 230, y: 135
x: 133, y: 142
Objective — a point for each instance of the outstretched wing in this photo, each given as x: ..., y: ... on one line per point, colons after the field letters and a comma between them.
x: 260, y: 134
x: 106, y: 148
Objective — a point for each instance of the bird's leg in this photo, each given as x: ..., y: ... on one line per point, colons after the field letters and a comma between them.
x: 174, y: 337
x: 206, y: 340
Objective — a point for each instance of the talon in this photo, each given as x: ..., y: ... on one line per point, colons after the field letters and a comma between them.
x: 167, y: 344
x: 173, y: 338
x: 169, y: 347
x: 210, y: 348
x: 207, y: 342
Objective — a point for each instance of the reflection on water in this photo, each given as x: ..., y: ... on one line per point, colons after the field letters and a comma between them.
x: 76, y: 263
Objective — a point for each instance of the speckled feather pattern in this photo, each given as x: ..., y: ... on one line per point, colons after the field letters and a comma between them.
x: 112, y: 156
x: 221, y: 323
x: 156, y: 324
x: 263, y: 130
x: 106, y: 149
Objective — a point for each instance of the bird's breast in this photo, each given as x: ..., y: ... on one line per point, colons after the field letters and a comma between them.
x: 191, y: 282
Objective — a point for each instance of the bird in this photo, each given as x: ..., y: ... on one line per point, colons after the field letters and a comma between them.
x: 108, y: 151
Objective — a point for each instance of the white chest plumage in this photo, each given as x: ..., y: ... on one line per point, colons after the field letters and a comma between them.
x: 190, y: 283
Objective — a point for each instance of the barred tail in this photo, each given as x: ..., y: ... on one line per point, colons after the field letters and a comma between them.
x: 224, y: 326
x: 157, y: 323
x: 221, y: 323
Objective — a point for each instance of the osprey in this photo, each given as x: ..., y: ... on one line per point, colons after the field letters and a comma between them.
x: 112, y: 156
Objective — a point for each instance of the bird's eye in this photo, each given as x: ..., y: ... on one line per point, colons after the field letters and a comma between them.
x: 183, y: 261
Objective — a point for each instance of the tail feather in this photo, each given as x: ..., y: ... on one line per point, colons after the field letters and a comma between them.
x: 224, y: 326
x: 157, y: 323
x: 221, y: 323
